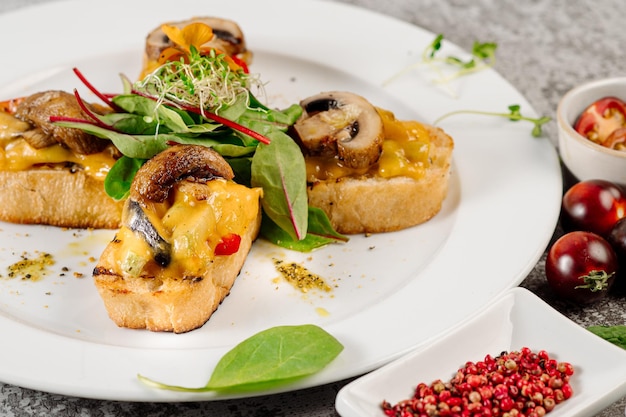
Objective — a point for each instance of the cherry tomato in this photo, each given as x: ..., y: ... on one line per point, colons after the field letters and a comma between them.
x: 593, y: 206
x: 600, y: 119
x: 581, y: 267
x: 228, y: 245
x: 617, y: 239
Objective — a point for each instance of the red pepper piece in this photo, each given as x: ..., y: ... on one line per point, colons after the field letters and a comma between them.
x: 617, y: 139
x: 228, y: 245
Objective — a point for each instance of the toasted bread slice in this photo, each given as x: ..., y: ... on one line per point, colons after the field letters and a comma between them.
x: 57, y: 197
x: 373, y: 204
x: 173, y: 262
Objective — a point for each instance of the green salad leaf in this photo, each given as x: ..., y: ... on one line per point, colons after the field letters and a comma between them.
x: 270, y: 358
x: 279, y: 169
x: 319, y: 233
x: 614, y: 334
x: 204, y: 102
x: 117, y: 183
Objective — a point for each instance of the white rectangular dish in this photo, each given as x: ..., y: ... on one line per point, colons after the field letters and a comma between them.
x: 519, y: 319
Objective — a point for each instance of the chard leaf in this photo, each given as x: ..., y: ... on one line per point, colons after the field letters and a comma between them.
x: 270, y: 358
x: 118, y: 180
x: 279, y: 169
x: 203, y: 128
x: 133, y: 146
x: 233, y: 151
x: 132, y: 124
x: 174, y: 120
x: 241, y: 167
x: 320, y: 233
x: 235, y: 110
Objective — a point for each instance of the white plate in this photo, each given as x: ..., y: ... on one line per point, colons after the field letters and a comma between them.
x: 393, y: 292
x: 519, y: 319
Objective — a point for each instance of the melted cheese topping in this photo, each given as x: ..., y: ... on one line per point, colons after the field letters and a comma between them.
x: 405, y: 153
x: 193, y: 221
x: 16, y: 154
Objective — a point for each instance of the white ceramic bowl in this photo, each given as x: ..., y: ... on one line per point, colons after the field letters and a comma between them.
x: 585, y: 159
x: 518, y: 319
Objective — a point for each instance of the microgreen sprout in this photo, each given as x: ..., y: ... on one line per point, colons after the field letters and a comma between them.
x: 483, y: 57
x: 513, y: 115
x: 204, y: 81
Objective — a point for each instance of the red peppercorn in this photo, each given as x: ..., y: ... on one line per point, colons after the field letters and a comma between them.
x: 515, y: 384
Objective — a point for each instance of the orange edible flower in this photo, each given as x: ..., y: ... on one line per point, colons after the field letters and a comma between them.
x: 196, y: 35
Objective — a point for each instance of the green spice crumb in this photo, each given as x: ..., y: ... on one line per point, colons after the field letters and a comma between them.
x: 300, y: 277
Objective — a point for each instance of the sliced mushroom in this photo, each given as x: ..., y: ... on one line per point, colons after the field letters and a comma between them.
x: 197, y: 163
x: 342, y: 124
x: 228, y: 38
x: 36, y: 110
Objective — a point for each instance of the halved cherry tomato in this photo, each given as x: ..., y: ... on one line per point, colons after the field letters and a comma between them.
x: 598, y: 121
x: 581, y: 267
x: 616, y: 140
x: 228, y: 245
x: 593, y: 206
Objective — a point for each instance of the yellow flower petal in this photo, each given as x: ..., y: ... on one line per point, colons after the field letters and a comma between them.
x: 170, y: 54
x: 175, y: 34
x: 195, y: 34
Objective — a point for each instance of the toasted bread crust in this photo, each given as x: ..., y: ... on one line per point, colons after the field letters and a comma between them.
x: 369, y: 204
x: 174, y: 304
x: 57, y: 197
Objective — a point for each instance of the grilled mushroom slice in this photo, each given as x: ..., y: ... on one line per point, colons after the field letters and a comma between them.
x: 228, y: 38
x: 192, y: 162
x: 342, y: 124
x: 36, y: 110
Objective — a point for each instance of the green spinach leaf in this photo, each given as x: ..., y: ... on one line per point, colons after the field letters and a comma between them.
x: 118, y: 180
x: 279, y: 169
x: 319, y: 233
x: 270, y: 358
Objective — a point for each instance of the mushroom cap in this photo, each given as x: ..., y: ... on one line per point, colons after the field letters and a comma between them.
x: 341, y: 124
x: 156, y: 177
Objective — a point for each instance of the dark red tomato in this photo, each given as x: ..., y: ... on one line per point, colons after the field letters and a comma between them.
x: 593, y: 206
x: 602, y: 118
x: 581, y: 267
x: 228, y: 245
x: 617, y: 239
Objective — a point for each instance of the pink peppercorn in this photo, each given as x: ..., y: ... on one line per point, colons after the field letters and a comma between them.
x: 516, y: 384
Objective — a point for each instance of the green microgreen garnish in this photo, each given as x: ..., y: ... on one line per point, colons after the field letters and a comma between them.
x: 203, y: 81
x: 268, y: 359
x: 451, y: 67
x: 513, y: 115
